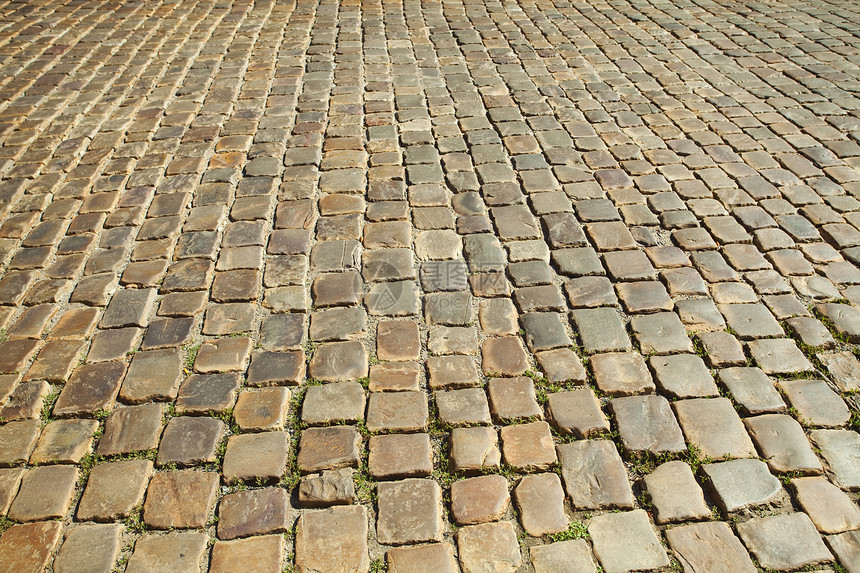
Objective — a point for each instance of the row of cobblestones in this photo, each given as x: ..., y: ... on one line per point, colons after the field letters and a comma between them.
x: 469, y: 285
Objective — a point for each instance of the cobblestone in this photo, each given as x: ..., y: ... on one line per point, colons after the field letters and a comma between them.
x: 460, y: 233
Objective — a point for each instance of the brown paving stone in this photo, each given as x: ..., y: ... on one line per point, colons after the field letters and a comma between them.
x: 181, y: 499
x: 489, y: 546
x: 114, y: 489
x: 28, y: 547
x: 189, y: 441
x: 64, y: 441
x: 17, y: 440
x: 253, y: 512
x: 258, y: 458
x: 154, y: 553
x: 45, y: 493
x: 328, y: 448
x: 263, y: 553
x: 333, y: 539
x: 528, y: 446
x: 479, y: 499
x: 152, y: 375
x: 398, y: 456
x: 410, y: 511
x: 89, y: 548
x: 131, y: 429
x: 260, y: 410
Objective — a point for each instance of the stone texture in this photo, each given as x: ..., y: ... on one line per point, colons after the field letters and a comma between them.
x: 168, y: 553
x: 626, y: 542
x: 89, y: 548
x: 180, y: 499
x: 646, y: 425
x: 45, y: 493
x: 479, y: 499
x: 431, y: 557
x: 28, y: 547
x: 714, y: 427
x: 540, y: 499
x: 675, y: 494
x: 829, y: 508
x: 489, y: 547
x: 594, y: 475
x: 264, y: 553
x: 707, y: 547
x: 114, y: 489
x: 253, y: 512
x: 410, y: 511
x: 784, y: 542
x: 738, y: 484
x: 528, y: 446
x: 258, y: 458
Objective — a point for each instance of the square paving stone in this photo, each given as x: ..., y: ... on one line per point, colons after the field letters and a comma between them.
x: 182, y: 499
x: 573, y: 556
x: 153, y: 375
x: 504, y: 356
x: 594, y: 475
x: 337, y: 402
x: 448, y: 308
x: 513, y: 399
x: 815, y: 402
x: 131, y: 429
x: 562, y: 365
x: 168, y: 553
x: 327, y: 488
x: 229, y: 318
x: 129, y: 308
x: 261, y: 458
x: 28, y: 547
x: 577, y: 413
x: 92, y: 387
x: 337, y: 289
x: 64, y: 442
x: 829, y: 508
x: 452, y: 372
x: 590, y: 292
x: 626, y: 542
x: 540, y: 499
x: 207, y: 393
x: 479, y: 499
x: 529, y: 446
x: 10, y: 481
x: 601, y: 330
x: 276, y: 368
x: 264, y: 554
x: 646, y: 425
x: 189, y: 441
x: 55, y: 361
x: 398, y: 340
x: 394, y: 377
x: 114, y: 344
x: 473, y: 449
x: 683, y: 376
x: 333, y: 539
x: 784, y: 542
x: 661, y: 333
x: 750, y: 321
x: 841, y: 452
x: 223, y: 355
x: 254, y: 512
x: 17, y: 440
x: 437, y: 557
x: 114, y: 489
x: 261, y: 410
x: 329, y: 448
x: 489, y: 547
x: 739, y: 484
x: 26, y: 401
x: 783, y: 443
x: 453, y: 340
x: 339, y: 361
x: 410, y: 511
x: 399, y: 456
x: 644, y: 297
x: 846, y: 547
x: 397, y: 412
x: 621, y: 373
x: 675, y: 494
x: 705, y: 547
x: 544, y: 331
x: 45, y: 493
x: 751, y: 389
x: 844, y: 369
x: 89, y: 548
x: 712, y: 425
x: 779, y: 356
x: 286, y: 331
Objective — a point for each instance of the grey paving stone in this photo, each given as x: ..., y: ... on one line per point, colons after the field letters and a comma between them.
x: 739, y: 484
x: 646, y: 425
x: 712, y: 425
x: 89, y: 548
x: 601, y: 330
x: 751, y: 389
x: 784, y: 542
x: 783, y: 443
x: 594, y: 475
x: 751, y: 321
x: 626, y: 541
x: 816, y: 403
x: 839, y: 448
x: 621, y: 373
x: 572, y: 556
x: 846, y: 547
x: 683, y: 376
x: 702, y: 547
x: 544, y: 331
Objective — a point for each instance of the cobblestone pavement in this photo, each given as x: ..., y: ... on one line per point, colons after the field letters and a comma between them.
x: 468, y: 285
